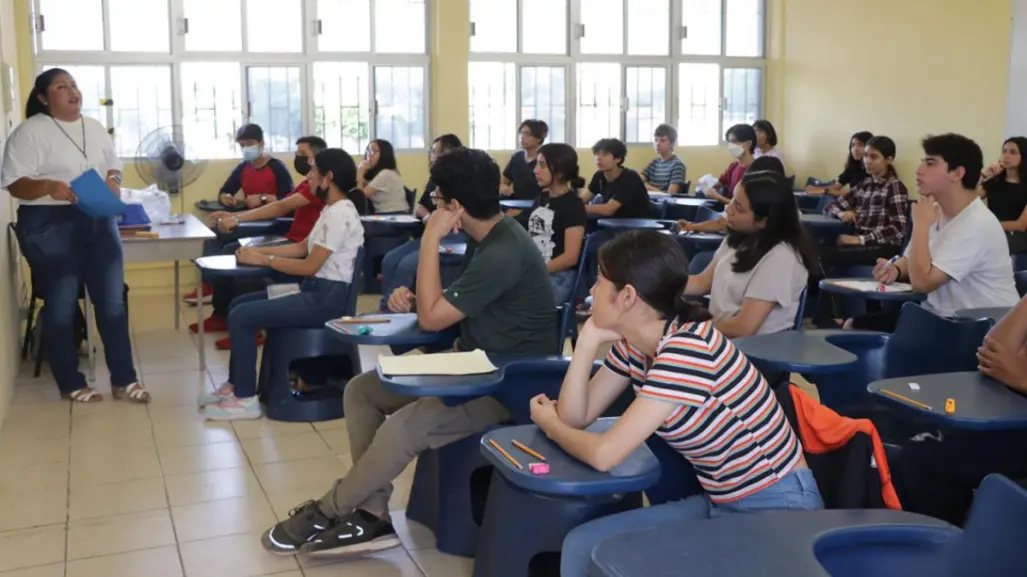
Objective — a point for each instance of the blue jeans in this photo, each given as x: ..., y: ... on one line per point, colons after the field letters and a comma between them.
x: 319, y: 301
x: 797, y: 491
x: 563, y: 284
x: 399, y: 268
x: 65, y: 248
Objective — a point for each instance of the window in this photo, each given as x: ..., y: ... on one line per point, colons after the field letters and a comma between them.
x: 346, y: 70
x: 615, y: 68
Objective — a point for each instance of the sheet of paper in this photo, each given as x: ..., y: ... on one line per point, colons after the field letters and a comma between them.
x: 873, y: 286
x: 95, y: 197
x: 475, y: 362
x: 391, y: 218
x: 277, y: 291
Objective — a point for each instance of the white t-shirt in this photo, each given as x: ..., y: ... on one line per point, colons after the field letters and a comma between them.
x: 38, y: 149
x: 339, y: 230
x: 778, y: 278
x: 391, y: 196
x: 971, y: 249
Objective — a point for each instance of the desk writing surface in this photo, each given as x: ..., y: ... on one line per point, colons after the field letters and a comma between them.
x: 175, y: 242
x: 798, y: 351
x: 993, y: 313
x: 982, y: 403
x: 190, y: 229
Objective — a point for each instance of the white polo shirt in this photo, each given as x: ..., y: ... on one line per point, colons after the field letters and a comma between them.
x: 972, y: 250
x: 43, y: 147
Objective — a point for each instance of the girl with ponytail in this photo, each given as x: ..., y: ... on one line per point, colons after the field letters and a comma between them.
x: 557, y: 220
x: 692, y: 387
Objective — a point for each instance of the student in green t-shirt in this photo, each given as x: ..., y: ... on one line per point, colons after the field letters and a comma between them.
x: 503, y: 302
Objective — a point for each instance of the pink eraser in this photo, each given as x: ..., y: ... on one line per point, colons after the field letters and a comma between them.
x: 539, y: 468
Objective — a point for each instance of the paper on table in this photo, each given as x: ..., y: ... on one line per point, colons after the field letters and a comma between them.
x: 391, y: 218
x: 873, y: 286
x: 475, y: 362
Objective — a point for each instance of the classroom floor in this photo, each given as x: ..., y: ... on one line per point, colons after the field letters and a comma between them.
x: 155, y: 491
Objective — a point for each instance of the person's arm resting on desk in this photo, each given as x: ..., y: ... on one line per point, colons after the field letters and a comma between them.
x: 232, y: 186
x: 470, y: 293
x: 274, y: 209
x: 1002, y: 356
x: 927, y: 272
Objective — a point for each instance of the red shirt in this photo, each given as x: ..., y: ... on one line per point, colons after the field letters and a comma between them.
x: 731, y: 177
x: 305, y: 217
x: 272, y: 179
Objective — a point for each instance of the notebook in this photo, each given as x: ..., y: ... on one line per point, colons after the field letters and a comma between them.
x: 95, y: 198
x: 475, y: 362
x: 874, y: 286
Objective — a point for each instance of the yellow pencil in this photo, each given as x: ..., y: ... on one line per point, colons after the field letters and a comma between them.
x: 363, y: 321
x: 503, y: 452
x: 895, y: 395
x: 527, y: 449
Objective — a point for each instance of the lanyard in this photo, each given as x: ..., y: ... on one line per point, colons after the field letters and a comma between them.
x: 82, y: 148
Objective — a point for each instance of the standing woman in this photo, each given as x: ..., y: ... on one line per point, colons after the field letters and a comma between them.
x: 379, y: 179
x: 54, y: 145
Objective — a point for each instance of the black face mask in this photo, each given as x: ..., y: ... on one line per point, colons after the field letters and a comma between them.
x: 322, y: 193
x: 301, y: 164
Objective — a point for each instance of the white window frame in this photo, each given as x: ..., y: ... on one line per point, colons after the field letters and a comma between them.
x: 669, y: 62
x: 304, y: 60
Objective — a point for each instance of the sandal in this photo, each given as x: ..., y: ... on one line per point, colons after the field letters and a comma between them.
x: 134, y: 392
x: 83, y: 395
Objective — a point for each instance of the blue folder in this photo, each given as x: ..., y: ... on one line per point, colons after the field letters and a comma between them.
x: 95, y: 198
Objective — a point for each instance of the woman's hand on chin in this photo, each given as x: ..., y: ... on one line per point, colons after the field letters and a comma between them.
x: 598, y: 335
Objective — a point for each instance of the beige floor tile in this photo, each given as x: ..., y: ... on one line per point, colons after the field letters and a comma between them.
x: 191, y: 433
x: 413, y: 534
x: 90, y: 501
x: 120, y: 534
x: 107, y: 464
x: 42, y: 478
x: 212, y: 486
x: 290, y: 448
x: 54, y: 570
x: 181, y: 460
x: 32, y: 508
x: 191, y: 358
x: 258, y: 428
x: 434, y: 563
x: 332, y: 425
x: 17, y: 451
x: 337, y: 439
x: 32, y: 547
x: 38, y: 429
x: 304, y: 473
x: 285, y: 500
x: 391, y: 563
x: 160, y: 562
x: 251, y: 514
x: 233, y: 556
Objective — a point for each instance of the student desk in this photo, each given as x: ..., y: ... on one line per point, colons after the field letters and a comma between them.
x: 215, y: 206
x: 686, y: 207
x: 401, y: 331
x: 809, y: 352
x: 828, y: 285
x: 981, y: 403
x: 389, y: 224
x: 993, y: 313
x: 218, y: 266
x: 630, y: 224
x: 831, y: 543
x: 700, y: 241
x: 824, y: 227
x: 454, y: 387
x: 453, y: 248
x: 516, y: 203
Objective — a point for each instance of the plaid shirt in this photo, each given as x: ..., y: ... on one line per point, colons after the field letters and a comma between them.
x: 881, y: 207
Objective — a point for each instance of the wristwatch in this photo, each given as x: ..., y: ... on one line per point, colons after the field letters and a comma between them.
x: 271, y: 261
x: 263, y: 199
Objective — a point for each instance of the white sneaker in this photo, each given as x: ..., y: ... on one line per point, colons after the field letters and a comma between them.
x: 224, y: 392
x: 234, y: 408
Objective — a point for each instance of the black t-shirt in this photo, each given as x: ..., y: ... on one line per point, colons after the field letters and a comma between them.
x: 521, y: 174
x: 426, y: 197
x: 628, y: 189
x: 1006, y: 199
x: 853, y: 175
x: 551, y: 217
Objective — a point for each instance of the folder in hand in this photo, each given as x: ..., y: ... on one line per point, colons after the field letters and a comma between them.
x: 95, y: 198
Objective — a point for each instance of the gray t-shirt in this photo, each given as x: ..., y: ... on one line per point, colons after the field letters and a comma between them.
x: 779, y: 278
x: 391, y: 196
x: 505, y: 292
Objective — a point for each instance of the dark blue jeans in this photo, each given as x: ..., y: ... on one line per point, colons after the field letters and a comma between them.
x: 319, y: 301
x: 399, y: 267
x: 65, y: 248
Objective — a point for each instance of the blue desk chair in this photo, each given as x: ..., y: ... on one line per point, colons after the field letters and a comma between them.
x: 1021, y: 282
x: 923, y: 343
x: 706, y: 213
x: 657, y: 209
x: 285, y: 346
x: 1019, y: 262
x: 992, y: 541
x: 451, y: 482
x: 700, y: 261
x: 801, y: 313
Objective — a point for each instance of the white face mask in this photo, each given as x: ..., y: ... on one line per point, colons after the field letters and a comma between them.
x: 735, y: 150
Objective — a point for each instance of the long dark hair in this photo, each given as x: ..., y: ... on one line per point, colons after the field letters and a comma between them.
x: 562, y: 160
x: 657, y: 267
x: 34, y: 105
x: 386, y: 159
x: 772, y: 201
x: 768, y: 129
x: 886, y: 147
x: 1021, y: 144
x: 344, y: 174
x: 850, y: 161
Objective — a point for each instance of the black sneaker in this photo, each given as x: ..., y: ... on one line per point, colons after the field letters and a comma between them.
x: 358, y: 534
x: 304, y: 523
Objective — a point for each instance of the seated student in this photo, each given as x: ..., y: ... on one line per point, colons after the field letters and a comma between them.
x: 876, y: 208
x: 854, y: 171
x: 692, y: 387
x: 519, y: 175
x: 958, y: 254
x: 399, y: 267
x: 302, y: 203
x: 666, y: 172
x: 1003, y: 354
x: 615, y: 191
x: 261, y: 178
x: 326, y: 258
x: 762, y: 164
x: 756, y: 277
x: 557, y: 221
x: 1005, y: 193
x: 503, y: 303
x: 766, y: 140
x: 379, y: 179
x: 741, y: 143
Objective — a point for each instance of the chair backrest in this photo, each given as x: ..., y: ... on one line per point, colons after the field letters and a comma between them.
x: 355, y: 284
x: 356, y: 196
x: 411, y: 197
x: 686, y: 187
x: 700, y: 261
x: 791, y: 182
x: 657, y: 209
x: 925, y: 343
x: 992, y: 541
x: 705, y: 213
x: 799, y: 314
x: 1020, y: 277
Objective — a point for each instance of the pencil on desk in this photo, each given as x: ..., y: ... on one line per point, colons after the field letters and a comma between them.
x: 527, y: 450
x: 503, y: 452
x: 895, y: 395
x: 363, y: 321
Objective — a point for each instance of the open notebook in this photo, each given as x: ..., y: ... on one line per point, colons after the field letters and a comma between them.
x: 475, y: 362
x: 873, y: 286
